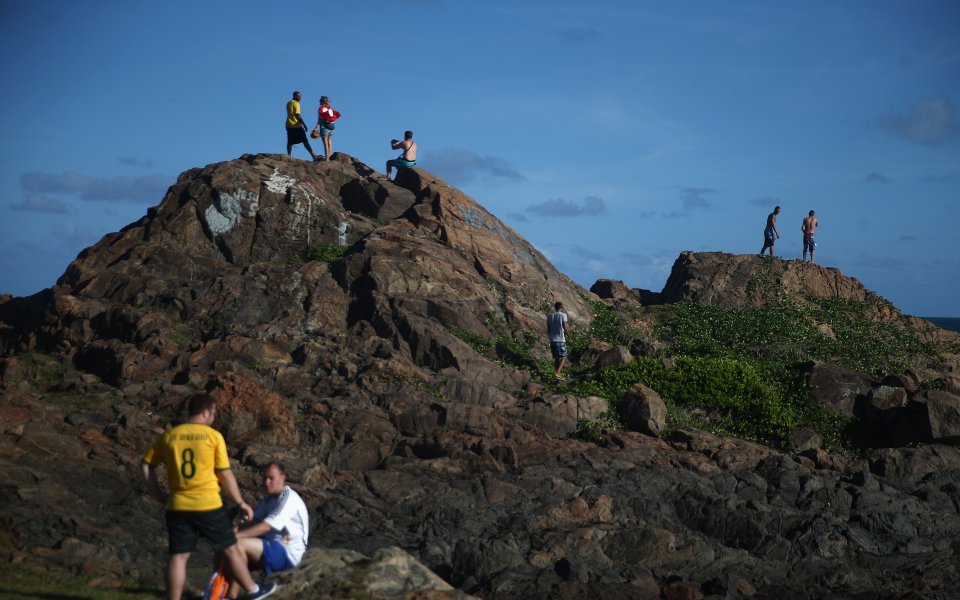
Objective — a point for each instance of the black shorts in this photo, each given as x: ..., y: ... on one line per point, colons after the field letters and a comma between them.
x: 183, y: 526
x: 296, y: 135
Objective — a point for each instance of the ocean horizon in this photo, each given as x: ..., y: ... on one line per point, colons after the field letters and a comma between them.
x: 951, y: 323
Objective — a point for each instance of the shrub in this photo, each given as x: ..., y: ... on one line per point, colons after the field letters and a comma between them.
x: 325, y: 252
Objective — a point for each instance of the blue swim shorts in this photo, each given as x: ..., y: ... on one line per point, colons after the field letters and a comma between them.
x: 809, y: 243
x: 275, y: 557
x: 768, y: 236
x: 326, y: 129
x: 558, y: 350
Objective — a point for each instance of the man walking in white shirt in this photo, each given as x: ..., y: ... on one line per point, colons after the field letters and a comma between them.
x: 557, y: 330
x: 276, y: 538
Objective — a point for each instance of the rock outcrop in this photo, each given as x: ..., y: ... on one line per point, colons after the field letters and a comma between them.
x: 387, y: 377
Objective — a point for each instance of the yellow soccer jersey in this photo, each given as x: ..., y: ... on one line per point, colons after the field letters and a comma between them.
x: 293, y: 110
x: 192, y: 453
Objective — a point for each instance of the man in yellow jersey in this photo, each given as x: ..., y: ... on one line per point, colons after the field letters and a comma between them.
x: 197, y: 464
x: 296, y: 128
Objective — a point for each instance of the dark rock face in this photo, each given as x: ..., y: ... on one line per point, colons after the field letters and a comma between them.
x: 836, y: 388
x: 399, y: 434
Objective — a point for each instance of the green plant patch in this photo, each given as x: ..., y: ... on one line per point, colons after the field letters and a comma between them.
x: 508, y: 346
x: 42, y: 371
x: 605, y: 325
x: 21, y: 582
x: 724, y: 395
x: 837, y: 331
x: 325, y: 252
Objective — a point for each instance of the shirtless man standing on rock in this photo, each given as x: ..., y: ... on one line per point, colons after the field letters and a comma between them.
x: 809, y: 224
x: 770, y: 231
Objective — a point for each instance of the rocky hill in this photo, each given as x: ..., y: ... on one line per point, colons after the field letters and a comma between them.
x: 384, y: 340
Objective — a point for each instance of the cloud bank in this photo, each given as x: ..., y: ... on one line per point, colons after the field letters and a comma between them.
x: 932, y: 122
x: 560, y: 208
x: 876, y: 177
x: 460, y: 165
x: 576, y: 36
x: 39, y: 203
x: 145, y: 190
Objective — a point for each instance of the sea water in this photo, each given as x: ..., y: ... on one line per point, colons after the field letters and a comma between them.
x: 951, y: 323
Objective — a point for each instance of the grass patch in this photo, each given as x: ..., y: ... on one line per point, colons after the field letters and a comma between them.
x: 605, y: 325
x: 20, y: 582
x: 327, y: 253
x: 508, y: 347
x: 836, y: 331
x: 732, y: 372
x: 42, y: 371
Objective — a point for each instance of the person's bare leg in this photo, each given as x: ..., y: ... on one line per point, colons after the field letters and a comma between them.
x: 252, y: 549
x: 306, y: 144
x: 327, y: 146
x: 176, y: 575
x: 237, y: 568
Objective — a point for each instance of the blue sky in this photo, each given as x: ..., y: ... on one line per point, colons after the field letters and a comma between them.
x: 612, y: 135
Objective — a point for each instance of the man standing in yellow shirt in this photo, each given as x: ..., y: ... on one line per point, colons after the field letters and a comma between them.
x: 197, y: 464
x: 296, y: 128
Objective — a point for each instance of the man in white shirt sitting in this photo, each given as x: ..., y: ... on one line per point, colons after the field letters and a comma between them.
x: 277, y: 536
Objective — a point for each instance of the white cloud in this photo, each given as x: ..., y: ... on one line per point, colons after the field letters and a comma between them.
x: 144, y: 190
x: 932, y: 122
x: 40, y: 203
x: 460, y: 165
x: 560, y: 208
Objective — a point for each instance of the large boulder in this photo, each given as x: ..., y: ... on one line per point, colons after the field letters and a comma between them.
x: 731, y: 280
x: 643, y: 410
x: 835, y: 388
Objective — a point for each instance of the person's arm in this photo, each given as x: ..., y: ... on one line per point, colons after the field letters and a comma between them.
x: 153, y: 485
x: 229, y: 483
x: 566, y: 328
x: 253, y: 530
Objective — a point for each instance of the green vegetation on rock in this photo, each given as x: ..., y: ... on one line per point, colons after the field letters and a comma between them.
x: 731, y: 371
x: 23, y: 582
x: 325, y: 252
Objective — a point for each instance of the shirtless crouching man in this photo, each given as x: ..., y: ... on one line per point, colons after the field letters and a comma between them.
x: 809, y: 225
x: 770, y: 231
x: 407, y: 158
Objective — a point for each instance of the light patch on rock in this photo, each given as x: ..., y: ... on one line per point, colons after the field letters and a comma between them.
x: 230, y: 208
x: 279, y: 184
x: 342, y: 233
x: 301, y: 208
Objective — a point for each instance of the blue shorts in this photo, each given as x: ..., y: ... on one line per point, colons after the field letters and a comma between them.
x: 326, y: 129
x: 558, y: 350
x: 809, y: 243
x: 768, y: 237
x: 399, y: 163
x: 275, y: 557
